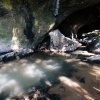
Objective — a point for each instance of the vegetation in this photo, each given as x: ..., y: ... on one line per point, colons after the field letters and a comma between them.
x: 7, y: 4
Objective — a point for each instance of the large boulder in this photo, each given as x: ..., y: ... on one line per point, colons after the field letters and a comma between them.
x: 39, y: 17
x: 89, y: 37
x: 60, y: 43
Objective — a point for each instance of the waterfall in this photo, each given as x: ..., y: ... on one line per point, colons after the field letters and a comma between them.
x: 56, y: 10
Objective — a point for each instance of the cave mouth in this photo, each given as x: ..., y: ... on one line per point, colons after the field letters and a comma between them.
x: 81, y: 21
x: 67, y: 31
x: 88, y: 28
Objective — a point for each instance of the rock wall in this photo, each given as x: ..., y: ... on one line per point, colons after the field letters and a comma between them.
x: 44, y: 15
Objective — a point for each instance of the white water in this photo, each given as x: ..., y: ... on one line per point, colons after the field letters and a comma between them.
x: 56, y: 12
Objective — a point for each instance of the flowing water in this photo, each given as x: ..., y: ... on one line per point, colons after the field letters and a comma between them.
x: 17, y: 76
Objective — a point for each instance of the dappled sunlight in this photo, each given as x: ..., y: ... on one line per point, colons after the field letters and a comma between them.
x: 23, y: 61
x: 69, y: 89
x: 51, y: 25
x: 15, y: 40
x: 3, y: 78
x: 96, y: 89
x: 58, y: 54
x: 69, y: 60
x: 38, y: 61
x: 32, y: 71
x: 83, y: 64
x: 48, y: 83
x: 8, y: 84
x: 14, y: 69
x: 72, y: 84
x: 95, y: 71
x: 68, y: 81
x: 48, y: 61
x: 51, y: 64
x: 52, y: 67
x: 77, y: 79
x: 84, y: 53
x: 36, y: 23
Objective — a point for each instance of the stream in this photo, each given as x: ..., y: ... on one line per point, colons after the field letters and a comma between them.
x: 17, y: 76
x: 38, y: 69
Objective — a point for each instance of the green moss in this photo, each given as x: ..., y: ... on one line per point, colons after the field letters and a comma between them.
x: 7, y: 4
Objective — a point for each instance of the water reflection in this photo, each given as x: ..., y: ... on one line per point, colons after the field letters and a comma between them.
x: 33, y: 71
x: 18, y: 75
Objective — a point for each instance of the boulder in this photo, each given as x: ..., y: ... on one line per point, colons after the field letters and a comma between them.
x: 60, y: 43
x: 35, y: 18
x: 94, y: 59
x: 5, y: 48
x: 89, y: 37
x: 94, y: 46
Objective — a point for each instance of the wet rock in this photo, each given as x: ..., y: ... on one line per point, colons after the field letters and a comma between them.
x: 41, y: 93
x: 94, y: 59
x: 60, y: 43
x: 9, y: 56
x: 89, y: 37
x: 86, y: 40
x: 5, y: 48
x: 15, y: 54
x: 83, y: 53
x: 23, y: 52
x: 5, y: 51
x: 18, y: 98
x: 94, y: 46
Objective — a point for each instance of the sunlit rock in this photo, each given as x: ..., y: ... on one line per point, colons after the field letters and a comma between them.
x: 60, y: 43
x: 15, y: 43
x: 83, y: 53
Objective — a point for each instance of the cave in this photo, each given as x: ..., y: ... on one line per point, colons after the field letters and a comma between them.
x: 81, y: 21
x: 88, y: 28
